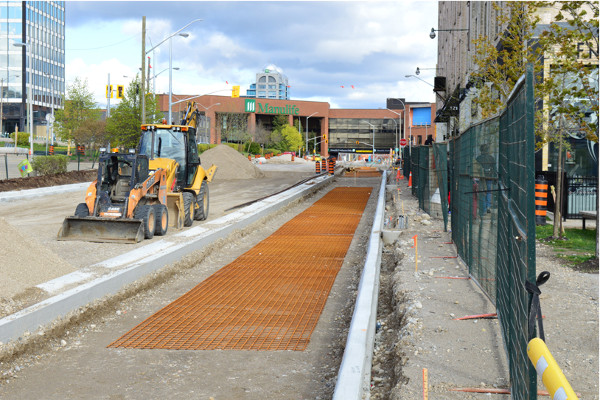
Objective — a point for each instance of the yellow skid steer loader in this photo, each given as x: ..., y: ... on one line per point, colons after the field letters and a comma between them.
x: 126, y: 203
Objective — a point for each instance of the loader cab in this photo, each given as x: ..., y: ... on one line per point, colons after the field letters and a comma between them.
x: 174, y: 142
x: 119, y: 173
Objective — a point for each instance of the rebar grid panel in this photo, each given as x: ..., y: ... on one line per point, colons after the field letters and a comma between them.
x: 363, y: 172
x: 269, y: 298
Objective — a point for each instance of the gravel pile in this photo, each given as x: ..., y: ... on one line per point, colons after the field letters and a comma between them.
x: 23, y: 262
x: 230, y: 164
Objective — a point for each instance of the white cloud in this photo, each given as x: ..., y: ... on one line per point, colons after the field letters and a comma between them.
x: 319, y: 45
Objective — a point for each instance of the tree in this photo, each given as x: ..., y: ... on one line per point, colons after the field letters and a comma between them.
x: 124, y: 124
x: 79, y: 113
x: 279, y: 122
x: 563, y: 74
x: 291, y: 139
x: 94, y: 131
x: 498, y: 66
x: 570, y: 83
x: 234, y: 127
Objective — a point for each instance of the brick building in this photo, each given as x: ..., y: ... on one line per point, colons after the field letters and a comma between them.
x: 326, y: 129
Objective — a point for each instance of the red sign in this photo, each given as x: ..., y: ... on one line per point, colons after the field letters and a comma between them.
x: 403, y: 142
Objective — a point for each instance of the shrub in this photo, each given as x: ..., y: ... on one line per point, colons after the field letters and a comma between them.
x: 234, y: 146
x: 253, y: 148
x: 275, y: 152
x: 22, y: 139
x: 202, y: 147
x: 49, y: 165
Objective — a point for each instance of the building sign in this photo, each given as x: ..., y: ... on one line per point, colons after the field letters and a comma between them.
x: 358, y: 151
x: 250, y: 105
x: 288, y: 109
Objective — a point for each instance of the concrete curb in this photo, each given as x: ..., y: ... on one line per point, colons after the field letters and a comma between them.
x: 140, y: 262
x: 354, y: 376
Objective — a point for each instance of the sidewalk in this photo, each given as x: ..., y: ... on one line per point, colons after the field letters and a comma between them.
x: 573, y: 223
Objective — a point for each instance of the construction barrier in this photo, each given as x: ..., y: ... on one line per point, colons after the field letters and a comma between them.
x: 323, y: 165
x: 549, y: 372
x: 541, y: 200
x: 331, y: 163
x: 51, y: 150
x: 317, y: 167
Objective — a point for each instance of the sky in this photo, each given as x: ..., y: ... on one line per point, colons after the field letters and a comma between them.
x: 351, y: 54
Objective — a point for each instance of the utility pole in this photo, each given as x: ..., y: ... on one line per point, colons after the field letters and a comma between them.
x: 143, y: 80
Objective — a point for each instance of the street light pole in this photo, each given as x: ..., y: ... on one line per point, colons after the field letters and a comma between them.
x: 398, y: 114
x: 171, y: 55
x: 27, y: 48
x: 306, y: 148
x: 1, y: 105
x: 171, y: 71
x: 51, y: 121
x: 373, y: 144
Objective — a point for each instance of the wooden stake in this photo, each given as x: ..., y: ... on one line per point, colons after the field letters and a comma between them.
x: 425, y: 385
x: 416, y: 253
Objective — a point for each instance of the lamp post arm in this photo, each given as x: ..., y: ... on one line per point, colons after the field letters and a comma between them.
x: 200, y: 95
x: 173, y: 34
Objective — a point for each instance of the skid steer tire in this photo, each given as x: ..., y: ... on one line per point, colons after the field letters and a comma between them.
x: 146, y: 214
x: 82, y: 210
x: 202, y: 201
x: 188, y: 206
x: 162, y: 219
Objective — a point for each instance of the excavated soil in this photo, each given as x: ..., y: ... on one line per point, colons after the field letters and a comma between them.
x: 33, y: 182
x: 230, y: 164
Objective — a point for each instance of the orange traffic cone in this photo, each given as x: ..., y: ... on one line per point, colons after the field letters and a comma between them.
x: 410, y: 179
x: 398, y: 175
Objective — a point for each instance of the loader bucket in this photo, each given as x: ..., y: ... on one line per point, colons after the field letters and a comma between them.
x: 176, y: 210
x: 94, y: 229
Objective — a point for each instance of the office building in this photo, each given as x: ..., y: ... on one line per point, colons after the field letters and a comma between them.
x: 271, y: 83
x: 41, y: 63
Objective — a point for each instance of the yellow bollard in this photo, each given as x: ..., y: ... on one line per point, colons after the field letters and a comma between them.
x: 548, y: 370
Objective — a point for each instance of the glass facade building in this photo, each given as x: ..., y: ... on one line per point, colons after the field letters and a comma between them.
x: 271, y: 83
x: 351, y: 134
x: 41, y: 26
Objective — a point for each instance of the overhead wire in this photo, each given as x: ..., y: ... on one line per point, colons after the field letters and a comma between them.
x: 108, y: 45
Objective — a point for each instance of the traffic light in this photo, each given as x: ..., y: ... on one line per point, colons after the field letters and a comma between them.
x: 120, y: 91
x: 357, y: 142
x: 109, y: 92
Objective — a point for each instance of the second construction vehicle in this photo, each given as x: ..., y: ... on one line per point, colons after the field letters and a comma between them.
x: 138, y: 195
x: 187, y: 184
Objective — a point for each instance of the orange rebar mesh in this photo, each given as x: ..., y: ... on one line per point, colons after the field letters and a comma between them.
x: 363, y: 172
x: 271, y: 297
